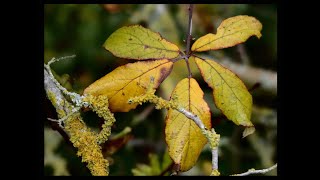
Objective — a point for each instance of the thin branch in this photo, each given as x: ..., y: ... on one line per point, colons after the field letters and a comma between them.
x: 188, y: 37
x: 59, y: 59
x: 199, y: 123
x: 253, y: 171
x: 51, y: 87
x: 60, y: 121
x: 214, y: 153
x: 167, y: 169
x: 76, y: 98
x: 193, y: 117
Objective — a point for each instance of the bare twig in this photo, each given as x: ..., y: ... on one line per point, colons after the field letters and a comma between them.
x: 51, y: 87
x: 188, y: 37
x: 214, y: 153
x: 214, y: 150
x: 253, y: 171
x: 59, y: 59
x: 263, y: 148
x: 76, y: 98
x: 167, y: 169
x: 193, y: 117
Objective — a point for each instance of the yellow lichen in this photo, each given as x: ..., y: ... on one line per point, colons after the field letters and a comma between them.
x: 52, y: 97
x: 86, y: 142
x: 100, y: 105
x: 152, y: 98
x: 212, y: 136
x: 252, y: 169
x: 215, y: 172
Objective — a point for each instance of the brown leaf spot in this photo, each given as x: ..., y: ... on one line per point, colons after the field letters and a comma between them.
x: 130, y: 39
x: 123, y: 94
x: 163, y: 72
x: 146, y: 46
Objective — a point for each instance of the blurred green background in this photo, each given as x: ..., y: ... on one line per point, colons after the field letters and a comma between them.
x: 81, y: 29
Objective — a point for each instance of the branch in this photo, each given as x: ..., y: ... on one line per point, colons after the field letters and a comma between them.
x: 215, y: 155
x: 76, y: 98
x: 60, y: 103
x: 167, y: 169
x: 80, y: 135
x: 193, y: 117
x: 188, y: 37
x: 253, y: 171
x: 211, y: 136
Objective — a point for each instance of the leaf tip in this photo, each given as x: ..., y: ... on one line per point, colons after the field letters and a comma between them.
x: 258, y: 35
x: 247, y: 131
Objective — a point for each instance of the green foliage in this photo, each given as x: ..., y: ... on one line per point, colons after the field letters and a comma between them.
x: 155, y: 166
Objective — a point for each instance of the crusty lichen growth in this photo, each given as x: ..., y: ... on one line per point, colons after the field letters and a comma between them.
x: 100, y: 105
x: 86, y: 142
x: 150, y: 96
x: 213, y: 139
x: 80, y: 135
x: 212, y: 136
x: 215, y: 172
x: 59, y: 104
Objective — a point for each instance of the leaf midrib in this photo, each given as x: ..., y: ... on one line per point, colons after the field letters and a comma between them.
x: 150, y: 46
x: 220, y: 38
x: 225, y: 82
x: 136, y: 78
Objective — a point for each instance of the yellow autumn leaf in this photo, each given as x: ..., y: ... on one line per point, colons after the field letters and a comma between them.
x: 230, y: 94
x: 137, y: 42
x: 232, y: 31
x: 128, y: 81
x: 184, y: 138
